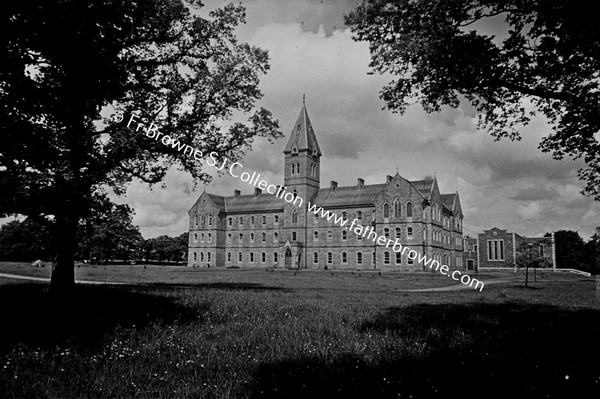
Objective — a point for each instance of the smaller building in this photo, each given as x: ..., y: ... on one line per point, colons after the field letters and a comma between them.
x: 498, y: 249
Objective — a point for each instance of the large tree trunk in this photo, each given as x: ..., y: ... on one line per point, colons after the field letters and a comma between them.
x: 63, y: 276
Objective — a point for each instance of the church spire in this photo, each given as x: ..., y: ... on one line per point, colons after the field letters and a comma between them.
x: 303, y: 136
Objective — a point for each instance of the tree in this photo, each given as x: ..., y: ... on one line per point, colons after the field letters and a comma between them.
x: 529, y: 256
x: 592, y: 254
x: 25, y: 241
x: 110, y: 235
x: 62, y: 63
x: 550, y: 57
x: 569, y: 248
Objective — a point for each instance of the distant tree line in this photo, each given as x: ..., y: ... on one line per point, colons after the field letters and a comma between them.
x: 573, y: 252
x: 105, y: 238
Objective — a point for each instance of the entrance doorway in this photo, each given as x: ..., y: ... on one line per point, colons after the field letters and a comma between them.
x: 470, y: 264
x: 288, y: 259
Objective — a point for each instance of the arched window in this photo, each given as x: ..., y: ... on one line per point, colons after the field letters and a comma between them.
x: 294, y: 217
x: 196, y: 219
x: 239, y: 256
x: 208, y: 256
x: 386, y: 210
x: 329, y: 257
x: 359, y: 258
x: 293, y: 168
x: 293, y: 236
x: 241, y: 221
x: 316, y: 257
x: 274, y: 257
x: 386, y: 257
x: 229, y: 237
x: 386, y: 232
x: 276, y: 236
x: 241, y: 237
x: 263, y: 257
x: 397, y: 208
x: 409, y: 209
x: 201, y: 256
x: 409, y: 231
x: 251, y: 257
x: 398, y: 232
x: 344, y: 235
x: 252, y: 220
x: 329, y: 235
x: 209, y: 237
x: 202, y: 219
x: 344, y: 257
x: 252, y: 237
x: 201, y: 237
x: 264, y: 237
x: 359, y: 216
x: 398, y: 258
x: 195, y: 256
x: 230, y: 221
x: 228, y: 256
x: 195, y: 237
x: 276, y: 219
x: 264, y: 220
x: 316, y: 236
x: 344, y: 215
x: 210, y: 219
x: 295, y: 192
x: 298, y: 167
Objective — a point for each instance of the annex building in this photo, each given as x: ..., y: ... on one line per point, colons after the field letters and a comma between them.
x: 262, y: 230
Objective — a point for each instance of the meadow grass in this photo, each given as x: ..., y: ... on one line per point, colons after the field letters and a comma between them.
x: 255, y: 334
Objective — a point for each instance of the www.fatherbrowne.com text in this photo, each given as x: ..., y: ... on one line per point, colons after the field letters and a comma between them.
x: 254, y: 179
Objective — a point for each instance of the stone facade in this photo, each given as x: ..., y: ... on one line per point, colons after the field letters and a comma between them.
x: 266, y: 231
x: 497, y: 248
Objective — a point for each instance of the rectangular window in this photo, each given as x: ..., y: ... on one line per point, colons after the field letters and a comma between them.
x: 495, y: 250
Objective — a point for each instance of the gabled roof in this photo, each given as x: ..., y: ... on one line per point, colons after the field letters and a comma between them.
x: 448, y: 200
x: 302, y: 136
x: 424, y: 186
x: 348, y: 196
x: 248, y: 203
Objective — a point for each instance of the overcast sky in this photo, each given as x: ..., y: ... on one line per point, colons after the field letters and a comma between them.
x: 510, y: 185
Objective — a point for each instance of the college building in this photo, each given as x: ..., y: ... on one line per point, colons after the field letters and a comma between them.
x: 497, y: 248
x: 263, y: 230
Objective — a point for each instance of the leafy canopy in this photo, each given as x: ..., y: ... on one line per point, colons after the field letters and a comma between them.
x: 549, y: 57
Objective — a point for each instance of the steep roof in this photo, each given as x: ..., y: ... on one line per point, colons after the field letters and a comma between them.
x: 424, y: 186
x: 302, y: 136
x: 248, y: 203
x: 348, y: 196
x: 448, y: 200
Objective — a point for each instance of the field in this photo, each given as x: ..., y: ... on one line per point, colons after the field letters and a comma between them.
x: 183, y: 333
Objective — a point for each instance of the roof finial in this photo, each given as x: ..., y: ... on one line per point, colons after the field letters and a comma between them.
x: 303, y: 99
x: 397, y: 169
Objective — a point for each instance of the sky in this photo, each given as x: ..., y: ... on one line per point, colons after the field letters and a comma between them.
x: 510, y: 185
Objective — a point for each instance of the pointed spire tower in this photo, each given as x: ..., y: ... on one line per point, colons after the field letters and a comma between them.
x: 302, y: 158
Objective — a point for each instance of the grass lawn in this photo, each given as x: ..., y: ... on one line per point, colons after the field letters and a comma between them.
x: 257, y: 334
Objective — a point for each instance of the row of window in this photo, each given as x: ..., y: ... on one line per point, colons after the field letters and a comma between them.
x: 398, y: 209
x: 241, y: 220
x: 296, y: 169
x: 442, y: 259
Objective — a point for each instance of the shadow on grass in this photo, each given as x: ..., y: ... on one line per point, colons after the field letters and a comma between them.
x: 30, y: 315
x: 455, y: 351
x: 221, y: 286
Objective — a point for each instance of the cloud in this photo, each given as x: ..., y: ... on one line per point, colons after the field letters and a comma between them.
x: 506, y: 184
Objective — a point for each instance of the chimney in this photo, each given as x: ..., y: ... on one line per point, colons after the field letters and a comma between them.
x: 257, y: 191
x: 388, y: 179
x: 333, y: 185
x: 236, y: 193
x: 361, y: 182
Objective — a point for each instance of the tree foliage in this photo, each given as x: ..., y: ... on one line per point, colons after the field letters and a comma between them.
x: 62, y: 63
x: 550, y: 56
x: 569, y: 248
x: 25, y: 241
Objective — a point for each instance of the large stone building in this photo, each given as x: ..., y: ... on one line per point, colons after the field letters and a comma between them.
x: 264, y: 230
x: 496, y: 248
